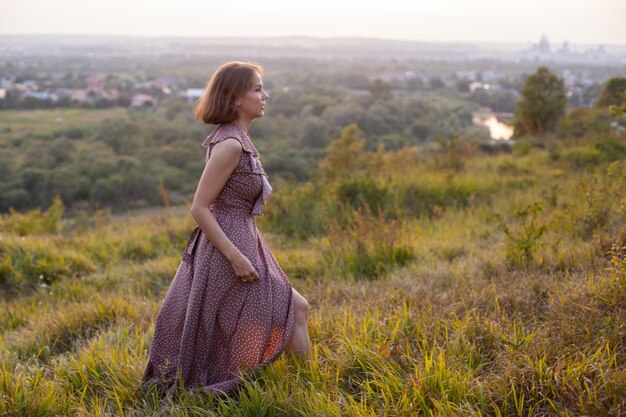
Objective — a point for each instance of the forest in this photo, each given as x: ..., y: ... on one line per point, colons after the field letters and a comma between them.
x: 100, y: 154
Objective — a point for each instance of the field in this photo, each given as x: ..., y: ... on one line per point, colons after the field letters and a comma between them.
x: 453, y: 282
x: 19, y: 122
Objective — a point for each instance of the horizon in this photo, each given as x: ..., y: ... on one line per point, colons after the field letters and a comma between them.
x: 585, y: 22
x: 311, y: 37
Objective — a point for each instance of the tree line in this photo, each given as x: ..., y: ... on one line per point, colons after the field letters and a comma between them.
x: 136, y: 160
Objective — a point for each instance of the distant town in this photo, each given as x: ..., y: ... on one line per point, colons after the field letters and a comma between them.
x: 22, y: 87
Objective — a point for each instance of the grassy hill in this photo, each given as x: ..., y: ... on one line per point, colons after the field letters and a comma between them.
x: 453, y: 282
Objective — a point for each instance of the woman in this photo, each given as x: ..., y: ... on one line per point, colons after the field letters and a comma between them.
x: 230, y: 307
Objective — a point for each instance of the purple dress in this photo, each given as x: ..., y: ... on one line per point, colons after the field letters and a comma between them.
x: 212, y: 326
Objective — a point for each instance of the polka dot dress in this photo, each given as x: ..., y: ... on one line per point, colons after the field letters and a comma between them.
x: 212, y: 327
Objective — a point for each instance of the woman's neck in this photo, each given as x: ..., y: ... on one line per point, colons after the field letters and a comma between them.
x: 244, y: 124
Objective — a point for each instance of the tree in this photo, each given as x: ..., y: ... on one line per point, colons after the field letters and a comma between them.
x: 315, y: 132
x: 414, y: 84
x: 618, y: 110
x: 612, y: 92
x: 463, y: 86
x: 380, y: 90
x: 436, y: 83
x: 344, y: 154
x: 121, y: 136
x: 542, y: 105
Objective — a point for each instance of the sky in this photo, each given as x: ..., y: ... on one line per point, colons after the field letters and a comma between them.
x: 501, y: 21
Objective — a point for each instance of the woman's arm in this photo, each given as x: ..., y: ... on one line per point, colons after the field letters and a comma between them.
x: 224, y: 158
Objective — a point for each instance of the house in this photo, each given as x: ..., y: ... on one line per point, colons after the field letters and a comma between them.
x: 95, y: 82
x: 79, y: 95
x: 466, y: 75
x: 88, y: 95
x: 477, y: 85
x: 390, y: 76
x: 142, y: 101
x: 32, y: 84
x: 491, y: 76
x: 6, y: 81
x: 42, y: 95
x: 193, y: 94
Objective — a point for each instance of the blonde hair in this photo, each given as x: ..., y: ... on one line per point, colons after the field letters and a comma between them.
x: 230, y: 81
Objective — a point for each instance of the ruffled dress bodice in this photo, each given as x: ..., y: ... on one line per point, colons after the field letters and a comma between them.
x: 248, y: 187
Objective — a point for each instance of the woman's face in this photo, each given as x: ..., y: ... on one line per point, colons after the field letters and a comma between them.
x: 252, y: 103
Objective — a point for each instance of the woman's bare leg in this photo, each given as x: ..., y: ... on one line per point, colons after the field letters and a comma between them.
x: 299, y: 344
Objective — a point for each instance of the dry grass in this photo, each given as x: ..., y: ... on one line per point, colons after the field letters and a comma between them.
x: 456, y: 330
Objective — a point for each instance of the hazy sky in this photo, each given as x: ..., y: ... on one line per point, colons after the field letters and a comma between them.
x: 579, y: 21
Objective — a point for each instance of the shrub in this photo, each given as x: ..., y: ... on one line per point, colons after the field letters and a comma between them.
x: 362, y: 193
x: 611, y: 150
x: 522, y: 148
x: 34, y: 221
x: 298, y: 211
x: 584, y: 121
x: 523, y: 240
x: 368, y: 247
x: 611, y: 92
x: 583, y: 157
x: 425, y: 199
x: 28, y: 262
x: 597, y: 198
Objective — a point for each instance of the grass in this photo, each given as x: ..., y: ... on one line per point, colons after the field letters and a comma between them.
x: 41, y: 120
x: 450, y: 328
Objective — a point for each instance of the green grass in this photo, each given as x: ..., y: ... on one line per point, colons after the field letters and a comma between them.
x: 33, y: 121
x: 454, y: 329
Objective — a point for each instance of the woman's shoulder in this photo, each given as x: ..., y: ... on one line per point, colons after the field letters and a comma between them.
x: 226, y: 131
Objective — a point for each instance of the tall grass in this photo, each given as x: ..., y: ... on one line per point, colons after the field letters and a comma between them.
x: 368, y: 247
x: 416, y: 305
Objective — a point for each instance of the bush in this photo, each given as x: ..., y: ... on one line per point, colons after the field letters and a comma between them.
x: 362, y: 194
x: 582, y: 121
x: 367, y: 248
x: 596, y: 200
x: 611, y: 92
x: 34, y: 221
x: 30, y: 262
x: 611, y: 150
x: 426, y: 199
x: 522, y: 240
x: 603, y: 151
x: 298, y: 211
x: 522, y: 148
x: 583, y: 157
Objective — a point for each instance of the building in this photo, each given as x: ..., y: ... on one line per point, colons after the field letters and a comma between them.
x: 142, y: 101
x: 193, y: 94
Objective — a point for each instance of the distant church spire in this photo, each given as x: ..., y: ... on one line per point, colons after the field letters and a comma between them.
x: 544, y: 45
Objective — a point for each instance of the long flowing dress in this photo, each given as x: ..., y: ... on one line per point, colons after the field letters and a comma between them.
x: 212, y: 327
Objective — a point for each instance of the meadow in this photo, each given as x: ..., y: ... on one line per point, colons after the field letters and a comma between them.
x: 18, y: 122
x: 457, y: 281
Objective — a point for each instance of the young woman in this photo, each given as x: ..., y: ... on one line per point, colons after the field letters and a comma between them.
x: 230, y: 307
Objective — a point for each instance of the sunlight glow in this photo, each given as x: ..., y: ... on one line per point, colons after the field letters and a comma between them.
x: 498, y: 130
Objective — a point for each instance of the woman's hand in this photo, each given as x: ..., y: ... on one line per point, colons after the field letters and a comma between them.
x: 243, y: 269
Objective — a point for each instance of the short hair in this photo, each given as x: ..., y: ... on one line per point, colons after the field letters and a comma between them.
x: 230, y: 81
